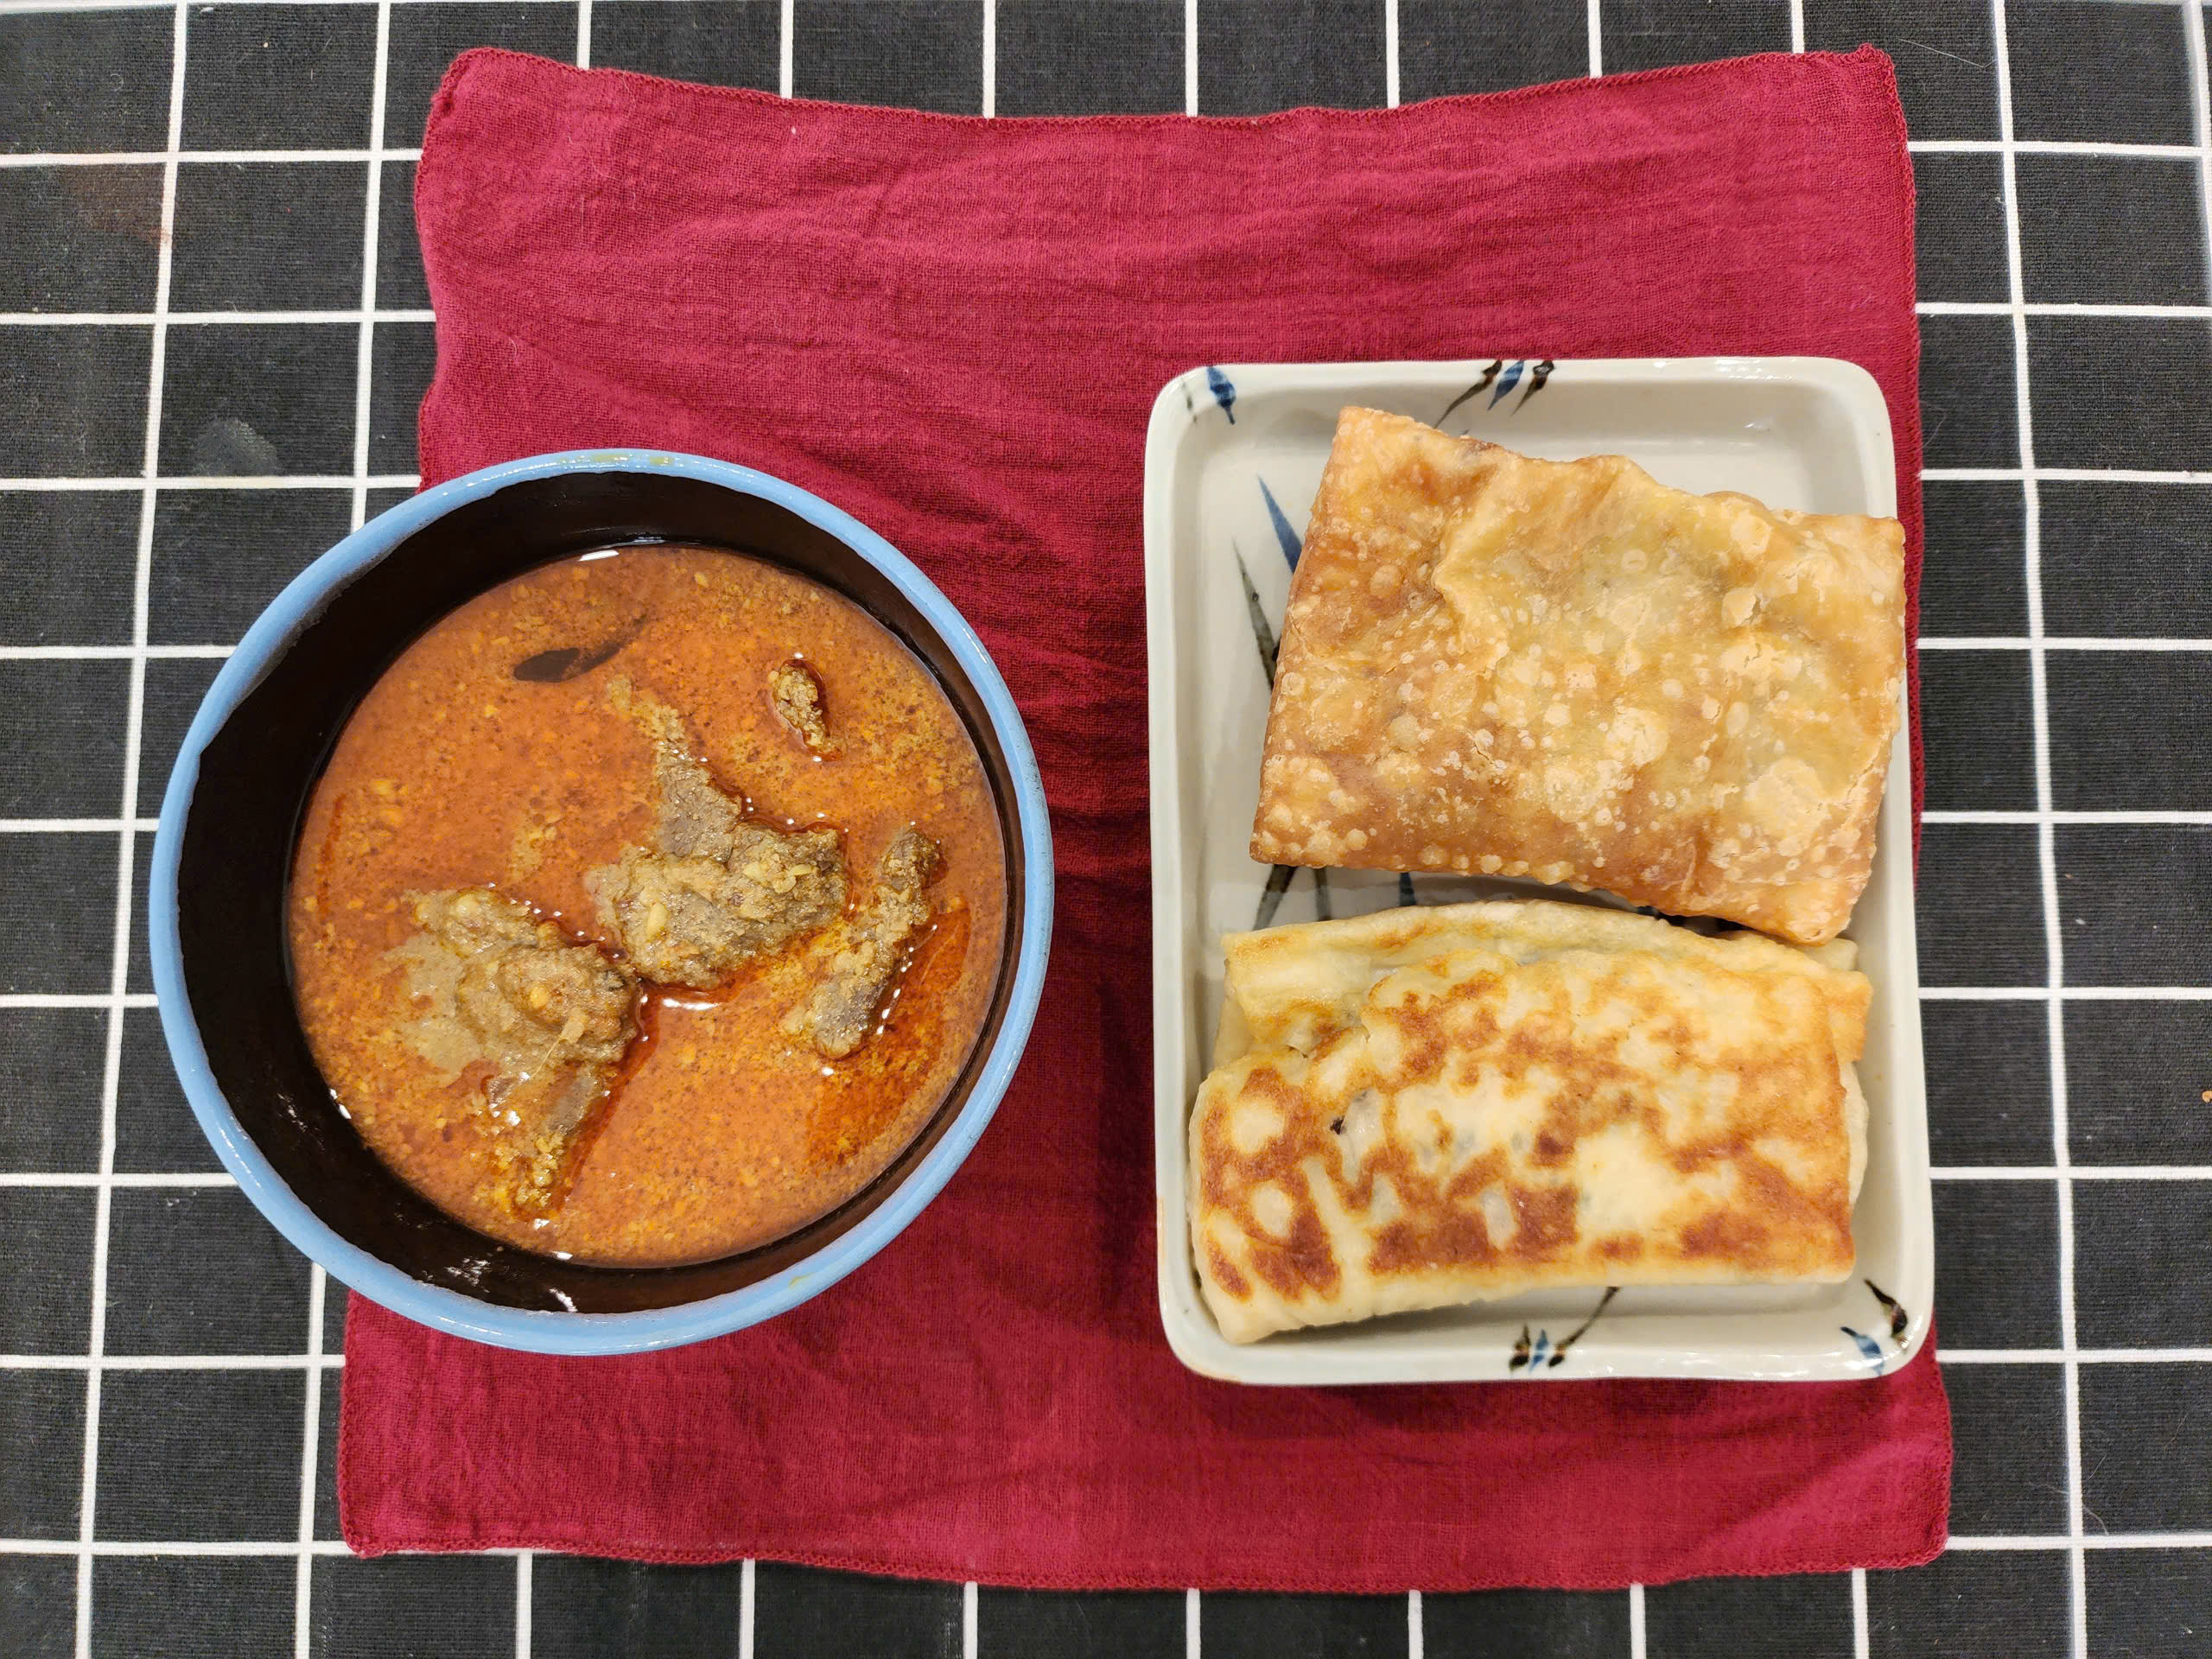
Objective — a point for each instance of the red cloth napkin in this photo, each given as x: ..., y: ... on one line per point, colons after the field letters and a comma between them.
x: 955, y: 328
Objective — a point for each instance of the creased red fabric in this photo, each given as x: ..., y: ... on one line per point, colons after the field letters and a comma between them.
x: 955, y: 328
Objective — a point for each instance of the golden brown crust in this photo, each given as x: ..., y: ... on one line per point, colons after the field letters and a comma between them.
x: 1563, y: 669
x: 1473, y: 1101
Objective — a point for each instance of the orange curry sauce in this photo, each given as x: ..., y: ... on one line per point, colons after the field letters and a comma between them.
x: 722, y: 1132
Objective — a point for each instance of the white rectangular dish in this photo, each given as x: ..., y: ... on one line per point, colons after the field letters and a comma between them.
x: 1232, y: 460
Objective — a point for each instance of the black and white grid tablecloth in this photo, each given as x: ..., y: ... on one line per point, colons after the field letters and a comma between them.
x: 213, y: 332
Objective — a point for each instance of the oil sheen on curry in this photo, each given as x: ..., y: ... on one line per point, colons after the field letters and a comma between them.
x: 649, y: 907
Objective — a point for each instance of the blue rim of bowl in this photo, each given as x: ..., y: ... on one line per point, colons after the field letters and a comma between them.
x: 552, y: 1332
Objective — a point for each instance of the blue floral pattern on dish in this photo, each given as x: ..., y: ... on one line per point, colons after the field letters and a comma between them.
x: 1540, y: 1355
x: 1498, y: 379
x: 1263, y: 635
x: 1224, y: 393
x: 1895, y: 1318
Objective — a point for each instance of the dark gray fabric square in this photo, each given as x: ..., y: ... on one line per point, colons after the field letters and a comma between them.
x: 1944, y: 51
x: 2153, y: 760
x: 1980, y: 1603
x: 2135, y: 903
x: 2098, y: 228
x: 1959, y: 226
x: 921, y: 55
x: 65, y: 947
x: 1972, y: 579
x: 2126, y: 559
x: 62, y: 737
x: 67, y: 559
x: 719, y: 42
x: 2139, y: 1264
x: 1997, y: 1263
x: 46, y: 1279
x: 1650, y: 34
x: 1979, y: 896
x: 2142, y: 1426
x: 76, y: 398
x: 426, y: 38
x: 1472, y: 46
x: 1969, y: 408
x: 42, y: 1424
x: 51, y: 1063
x: 2008, y: 1439
x: 1796, y: 1617
x: 251, y: 399
x: 2120, y: 391
x: 1988, y: 1082
x: 268, y: 236
x: 221, y: 555
x: 85, y: 80
x: 455, y: 1607
x: 78, y: 238
x: 1977, y: 729
x: 2092, y: 70
x: 192, y: 1607
x: 799, y: 1611
x: 1110, y: 56
x: 1244, y: 68
x: 196, y: 1270
x: 2136, y: 1080
x: 200, y: 1454
x: 279, y: 77
x: 581, y: 1608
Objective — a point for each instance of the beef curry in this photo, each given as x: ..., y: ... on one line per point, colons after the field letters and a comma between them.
x: 650, y: 906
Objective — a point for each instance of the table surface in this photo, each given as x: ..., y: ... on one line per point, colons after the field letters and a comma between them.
x: 213, y: 333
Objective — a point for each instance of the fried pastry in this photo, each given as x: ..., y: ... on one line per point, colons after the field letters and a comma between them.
x: 1564, y: 670
x: 1432, y: 1105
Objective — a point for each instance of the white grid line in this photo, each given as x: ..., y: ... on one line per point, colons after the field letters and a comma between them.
x: 2058, y: 642
x: 2066, y: 475
x: 2071, y: 1171
x: 523, y: 1560
x: 2200, y: 97
x: 172, y: 1361
x: 745, y: 1576
x: 107, y: 1178
x: 1594, y: 26
x: 990, y: 58
x: 786, y: 26
x: 583, y: 36
x: 2046, y: 146
x: 200, y: 319
x: 968, y: 1620
x: 1797, y: 25
x: 1861, y: 1646
x: 1635, y: 1622
x: 213, y: 157
x: 1193, y: 1625
x: 75, y: 1000
x: 1416, y: 1633
x: 2046, y: 835
x: 215, y: 482
x: 126, y: 841
x: 2083, y: 1356
x: 1390, y: 89
x: 1191, y: 82
x: 2066, y: 994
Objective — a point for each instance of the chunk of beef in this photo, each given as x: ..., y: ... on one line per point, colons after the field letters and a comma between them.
x: 719, y: 889
x: 547, y: 1021
x: 860, y: 955
x: 797, y: 695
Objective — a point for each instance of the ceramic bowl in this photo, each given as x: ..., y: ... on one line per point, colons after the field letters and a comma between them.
x: 216, y: 907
